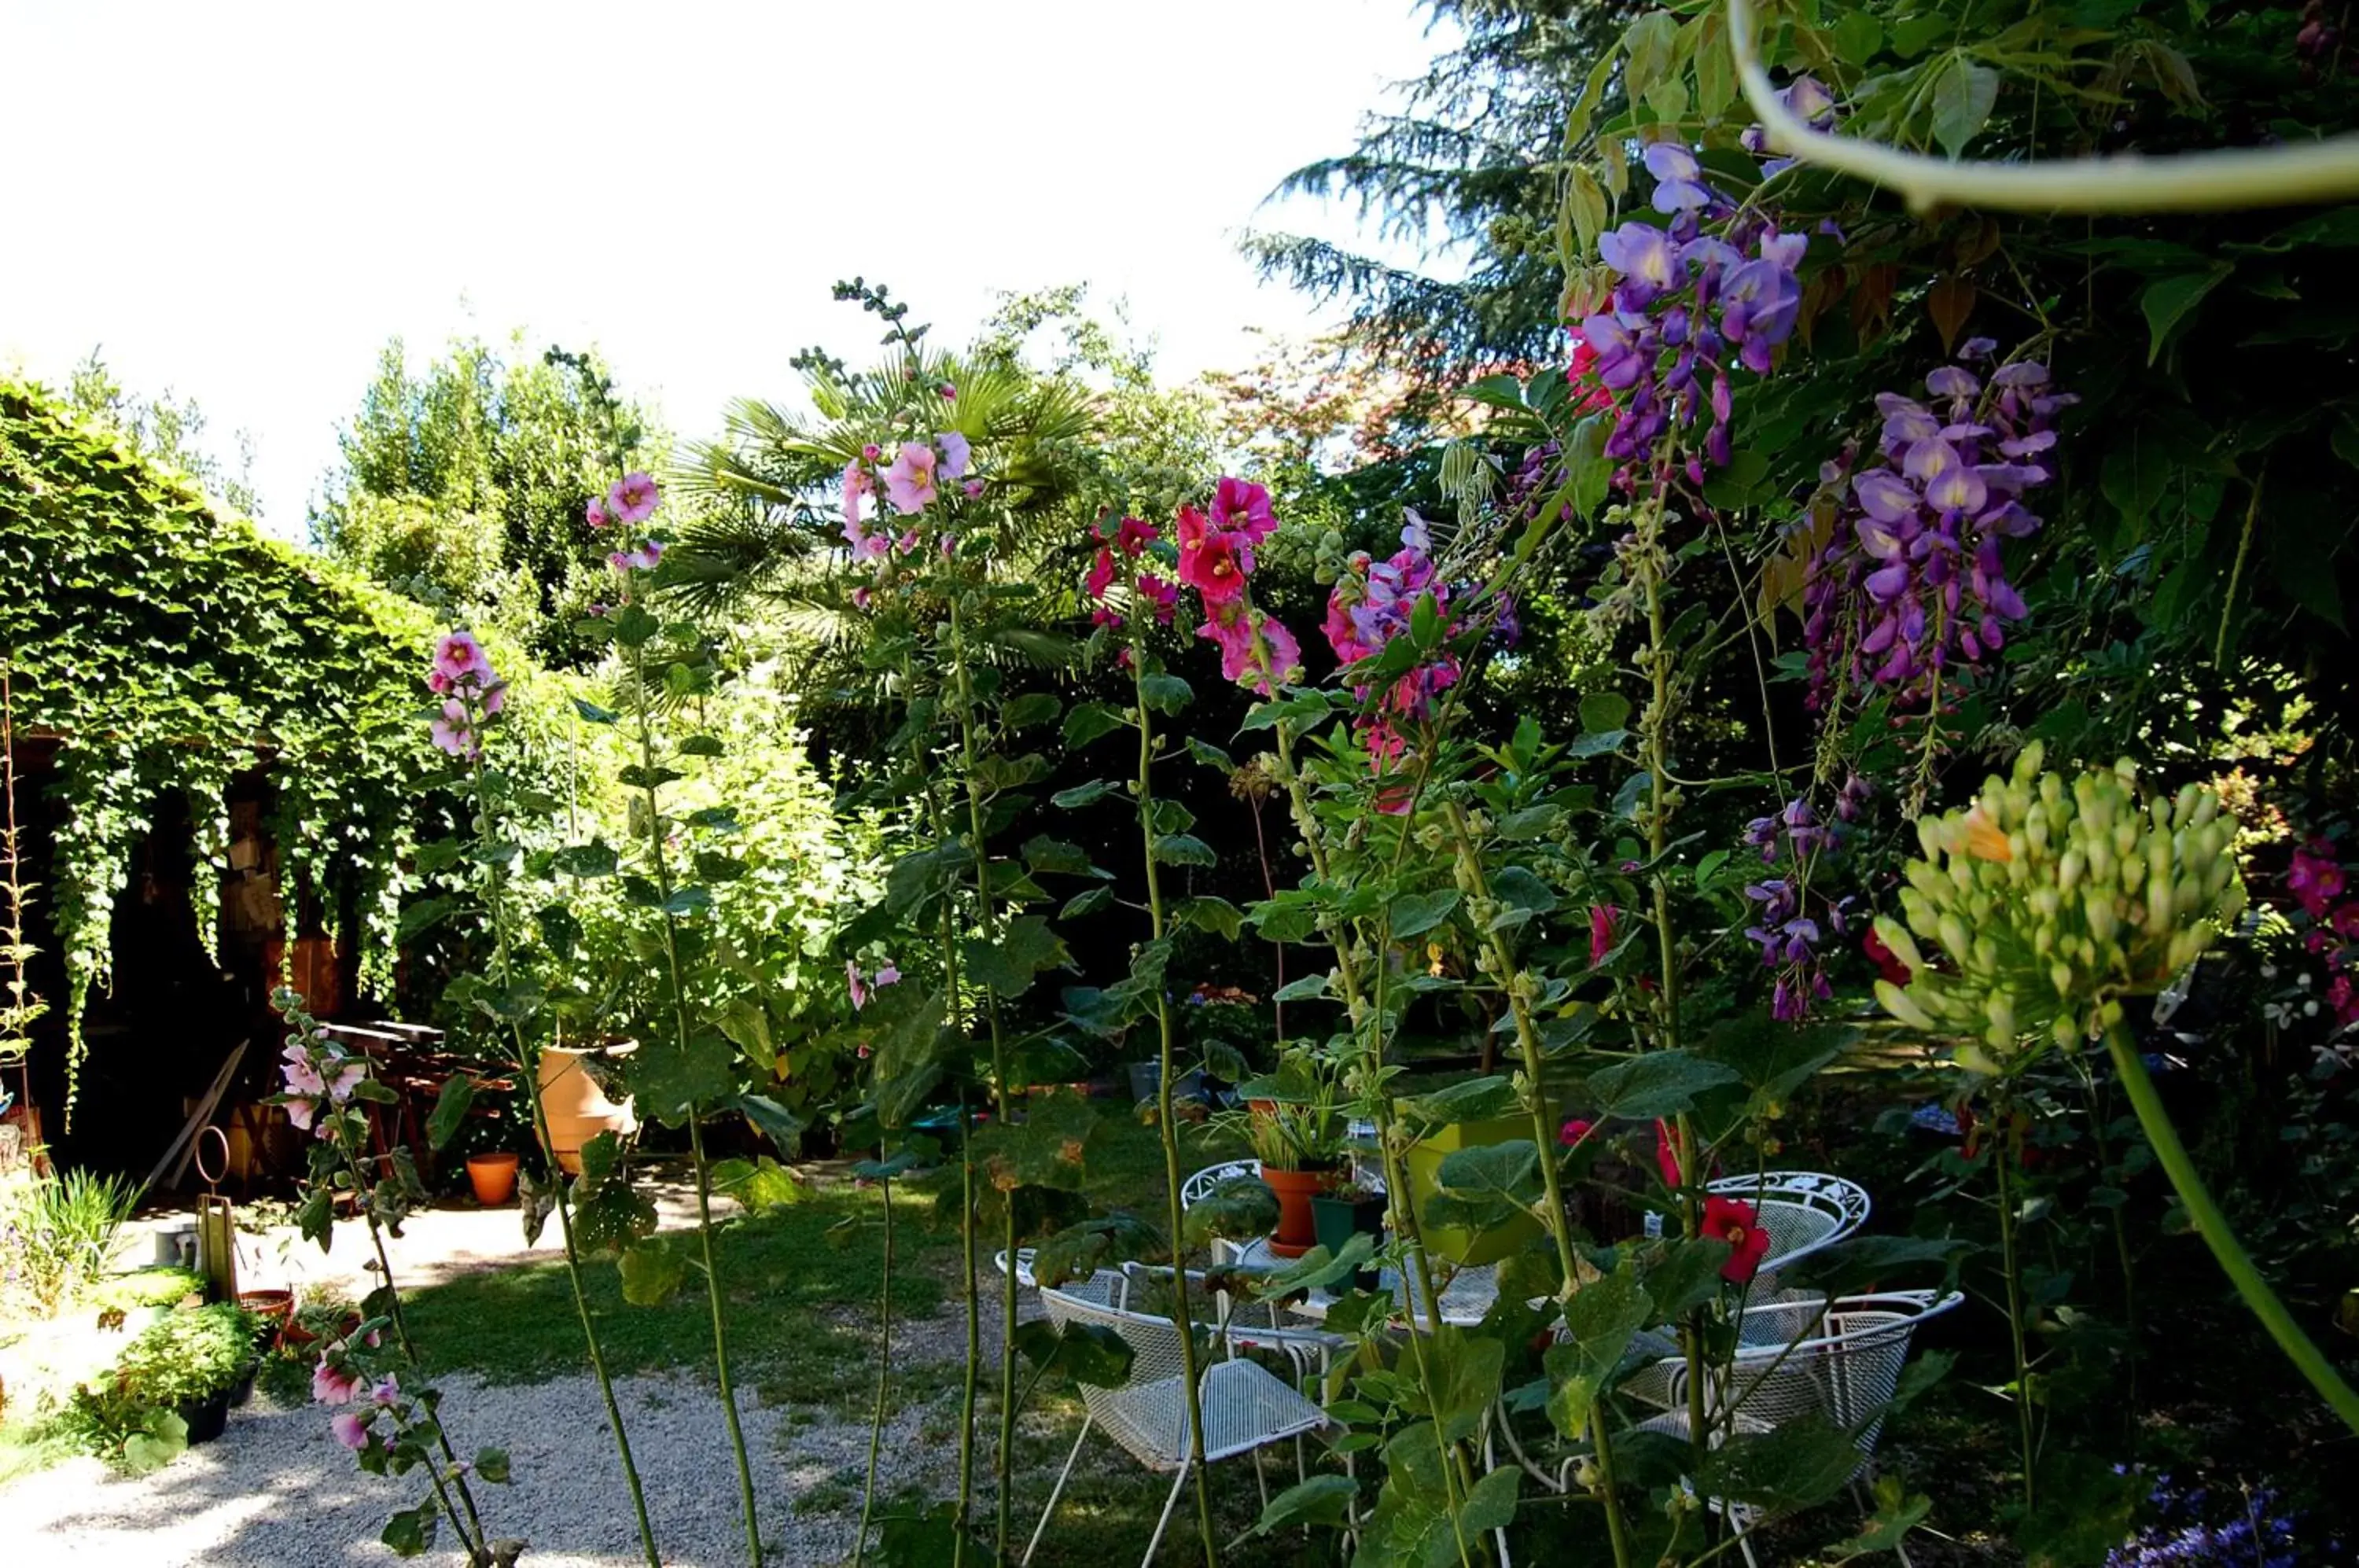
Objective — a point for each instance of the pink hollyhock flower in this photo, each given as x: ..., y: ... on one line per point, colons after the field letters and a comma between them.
x: 438, y: 682
x: 1242, y: 507
x: 947, y: 391
x: 909, y: 483
x: 2314, y: 878
x: 451, y: 732
x: 2342, y: 996
x: 331, y: 1385
x: 1384, y: 744
x: 865, y: 546
x: 299, y: 1114
x: 858, y: 485
x: 1101, y: 576
x: 1284, y: 656
x: 906, y: 543
x: 496, y: 697
x: 351, y: 1427
x: 1605, y: 922
x: 888, y: 975
x: 1574, y: 1132
x: 851, y: 983
x: 971, y: 489
x: 872, y: 452
x: 860, y: 597
x: 1213, y: 563
x: 956, y: 454
x: 2344, y: 921
x: 1342, y: 631
x: 1131, y: 535
x: 1164, y: 595
x: 388, y: 1390
x: 303, y: 1076
x: 632, y: 498
x: 1228, y: 625
x: 345, y: 1076
x: 459, y: 658
x: 595, y: 513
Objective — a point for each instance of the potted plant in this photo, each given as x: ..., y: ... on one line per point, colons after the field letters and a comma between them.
x: 191, y: 1365
x: 143, y: 1297
x: 576, y: 1104
x: 493, y: 1174
x: 1300, y: 1146
x: 1350, y: 1208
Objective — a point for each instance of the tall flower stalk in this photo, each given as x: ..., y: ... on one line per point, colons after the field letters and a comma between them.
x: 473, y: 695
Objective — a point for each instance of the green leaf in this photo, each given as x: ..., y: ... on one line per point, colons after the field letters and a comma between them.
x: 1600, y: 1320
x: 1310, y: 988
x: 909, y: 1047
x: 711, y: 866
x: 420, y: 918
x: 1239, y: 1209
x: 1087, y: 903
x: 1299, y: 712
x: 1321, y: 1500
x: 759, y: 1183
x: 1046, y: 856
x: 1032, y: 708
x: 1210, y: 756
x: 1468, y: 1100
x: 1107, y: 1242
x: 703, y: 745
x: 2166, y: 299
x: 673, y: 1080
x: 1605, y: 710
x: 1466, y: 1375
x: 639, y: 778
x: 512, y: 1004
x: 1211, y: 914
x: 1659, y: 1083
x: 1964, y: 96
x: 1800, y: 1464
x: 411, y: 1531
x: 1184, y: 849
x: 652, y: 1272
x: 1596, y: 743
x: 560, y: 932
x: 1086, y: 1351
x: 451, y: 1107
x: 1686, y: 1275
x: 1496, y: 1181
x: 688, y: 900
x: 1165, y: 694
x: 492, y: 1464
x: 633, y: 626
x: 1414, y: 914
x: 778, y: 1124
x: 1080, y: 795
x: 1087, y: 721
x: 1857, y: 36
x: 1524, y: 895
x: 595, y: 859
x: 593, y: 713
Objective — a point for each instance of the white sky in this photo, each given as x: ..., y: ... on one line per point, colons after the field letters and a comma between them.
x: 241, y: 202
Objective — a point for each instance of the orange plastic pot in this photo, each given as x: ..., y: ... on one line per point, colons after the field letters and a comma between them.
x: 1298, y: 1228
x: 494, y: 1177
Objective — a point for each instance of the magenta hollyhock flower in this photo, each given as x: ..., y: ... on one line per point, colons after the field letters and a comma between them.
x: 2314, y: 878
x: 450, y: 730
x: 971, y: 489
x: 595, y: 513
x: 1739, y: 1225
x: 351, y: 1427
x: 1101, y: 576
x: 1284, y: 656
x: 851, y: 983
x: 1243, y: 507
x: 633, y: 499
x: 459, y: 659
x: 331, y: 1385
x: 1131, y: 536
x: 1574, y: 1131
x: 865, y: 546
x: 860, y: 597
x: 1604, y: 923
x: 1164, y: 595
x: 1228, y: 625
x: 909, y: 483
x: 947, y: 391
x: 956, y: 454
x: 858, y: 485
x: 1213, y: 562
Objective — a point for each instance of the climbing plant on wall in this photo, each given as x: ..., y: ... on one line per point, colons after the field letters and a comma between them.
x: 167, y: 648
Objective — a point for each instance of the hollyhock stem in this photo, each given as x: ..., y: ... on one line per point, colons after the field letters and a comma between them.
x: 674, y: 980
x: 977, y: 822
x: 1401, y: 1212
x: 478, y: 1549
x: 2213, y: 1227
x: 1560, y: 1222
x: 884, y: 1379
x: 527, y: 1057
x: 1166, y: 1128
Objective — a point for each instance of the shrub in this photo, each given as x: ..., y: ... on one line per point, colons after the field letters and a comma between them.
x: 58, y: 1234
x: 188, y: 1358
x: 159, y: 1287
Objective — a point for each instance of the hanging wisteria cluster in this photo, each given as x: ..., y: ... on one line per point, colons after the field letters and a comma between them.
x: 1686, y: 302
x: 1913, y: 584
x: 1785, y: 926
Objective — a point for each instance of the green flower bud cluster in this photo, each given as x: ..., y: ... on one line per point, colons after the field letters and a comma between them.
x: 2052, y: 900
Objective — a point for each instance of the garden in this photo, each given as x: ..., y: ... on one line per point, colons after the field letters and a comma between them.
x: 1690, y: 897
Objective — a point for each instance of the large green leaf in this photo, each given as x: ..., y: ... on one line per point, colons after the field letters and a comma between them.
x: 1659, y: 1083
x: 1086, y: 1351
x: 1023, y: 949
x: 1414, y: 914
x: 1321, y: 1500
x: 1798, y: 1465
x: 451, y: 1108
x: 652, y: 1271
x: 907, y: 1050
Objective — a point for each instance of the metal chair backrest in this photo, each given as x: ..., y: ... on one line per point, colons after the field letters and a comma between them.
x: 1841, y: 1359
x: 1200, y: 1186
x: 1803, y: 1211
x: 1136, y: 1413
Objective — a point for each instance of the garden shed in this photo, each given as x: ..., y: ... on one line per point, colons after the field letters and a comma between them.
x: 214, y: 752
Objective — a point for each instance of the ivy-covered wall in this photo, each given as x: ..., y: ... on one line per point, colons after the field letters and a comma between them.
x: 165, y: 649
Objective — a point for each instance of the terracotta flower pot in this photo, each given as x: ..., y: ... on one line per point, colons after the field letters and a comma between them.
x: 1298, y: 1230
x: 577, y: 1108
x: 494, y: 1177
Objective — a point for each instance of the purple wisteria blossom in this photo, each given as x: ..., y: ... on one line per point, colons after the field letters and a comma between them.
x: 1914, y: 583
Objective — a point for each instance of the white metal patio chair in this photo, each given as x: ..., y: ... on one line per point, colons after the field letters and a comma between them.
x: 1803, y: 1211
x: 1839, y: 1359
x: 1246, y: 1406
x: 1199, y: 1186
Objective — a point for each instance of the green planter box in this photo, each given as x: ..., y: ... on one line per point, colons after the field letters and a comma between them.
x: 1458, y: 1245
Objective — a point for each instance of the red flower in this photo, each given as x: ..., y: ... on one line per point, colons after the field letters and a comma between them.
x: 1243, y: 507
x: 1887, y: 964
x: 2314, y: 878
x: 1101, y: 574
x: 1162, y: 594
x: 1739, y: 1225
x: 1573, y: 1131
x: 1605, y: 921
x: 1134, y: 535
